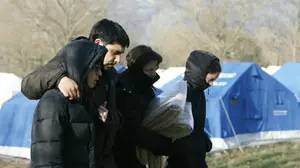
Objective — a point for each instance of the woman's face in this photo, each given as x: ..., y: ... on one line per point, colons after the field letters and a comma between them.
x: 150, y: 68
x: 94, y: 76
x: 211, y: 77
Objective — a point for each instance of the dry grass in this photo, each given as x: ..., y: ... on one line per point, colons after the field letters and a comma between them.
x: 280, y: 155
x: 12, y: 164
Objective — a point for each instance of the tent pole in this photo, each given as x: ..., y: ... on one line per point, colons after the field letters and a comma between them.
x: 231, y: 125
x: 207, y: 132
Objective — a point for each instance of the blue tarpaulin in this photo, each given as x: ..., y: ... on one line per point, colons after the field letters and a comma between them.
x: 254, y: 101
x: 15, y: 121
x: 289, y: 77
x: 120, y: 68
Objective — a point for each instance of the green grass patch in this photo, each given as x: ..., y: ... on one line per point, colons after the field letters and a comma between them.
x: 279, y: 155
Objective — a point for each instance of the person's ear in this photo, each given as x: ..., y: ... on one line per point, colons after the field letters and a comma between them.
x: 98, y: 41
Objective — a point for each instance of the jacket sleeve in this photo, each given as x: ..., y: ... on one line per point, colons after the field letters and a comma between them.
x: 48, y: 134
x: 208, y: 142
x: 35, y: 84
x: 144, y: 137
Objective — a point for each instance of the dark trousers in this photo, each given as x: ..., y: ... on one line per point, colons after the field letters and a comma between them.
x: 187, y: 161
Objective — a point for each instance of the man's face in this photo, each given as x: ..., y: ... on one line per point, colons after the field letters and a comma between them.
x: 113, y: 55
x: 211, y: 77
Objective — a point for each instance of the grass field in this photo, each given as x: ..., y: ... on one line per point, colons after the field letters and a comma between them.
x: 280, y: 155
x: 10, y: 164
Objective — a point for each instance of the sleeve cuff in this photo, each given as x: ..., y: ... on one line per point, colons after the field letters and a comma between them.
x: 59, y: 80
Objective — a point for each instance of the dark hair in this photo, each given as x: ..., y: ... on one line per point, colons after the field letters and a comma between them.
x: 109, y: 32
x: 140, y: 55
x: 214, y: 67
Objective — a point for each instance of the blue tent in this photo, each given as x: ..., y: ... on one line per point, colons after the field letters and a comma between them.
x: 247, y: 104
x: 254, y: 101
x: 15, y: 126
x: 286, y: 75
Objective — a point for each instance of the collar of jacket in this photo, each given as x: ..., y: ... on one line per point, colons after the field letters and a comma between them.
x: 141, y: 80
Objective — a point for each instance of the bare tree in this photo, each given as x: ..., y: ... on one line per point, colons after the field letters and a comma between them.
x: 215, y: 25
x: 219, y: 24
x: 36, y: 30
x: 279, y: 37
x: 228, y: 20
x: 270, y: 44
x: 171, y: 37
x: 59, y: 20
x: 291, y: 32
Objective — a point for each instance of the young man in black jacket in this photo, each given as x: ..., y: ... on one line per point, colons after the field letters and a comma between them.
x: 105, y: 32
x: 202, y: 68
x: 54, y: 75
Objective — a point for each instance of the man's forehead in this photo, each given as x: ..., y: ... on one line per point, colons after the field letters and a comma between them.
x: 116, y: 47
x: 122, y: 50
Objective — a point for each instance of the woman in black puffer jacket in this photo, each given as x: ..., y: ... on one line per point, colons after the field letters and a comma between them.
x: 63, y: 131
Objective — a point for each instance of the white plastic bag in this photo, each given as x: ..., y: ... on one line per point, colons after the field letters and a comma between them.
x: 170, y: 102
x: 182, y: 126
x: 169, y: 115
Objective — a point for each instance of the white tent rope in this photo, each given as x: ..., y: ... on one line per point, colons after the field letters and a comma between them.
x: 231, y: 125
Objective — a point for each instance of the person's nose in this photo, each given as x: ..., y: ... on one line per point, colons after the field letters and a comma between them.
x: 98, y: 74
x: 117, y: 59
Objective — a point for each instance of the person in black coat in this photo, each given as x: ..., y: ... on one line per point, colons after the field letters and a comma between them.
x: 53, y: 75
x: 202, y: 68
x: 134, y: 92
x: 63, y: 130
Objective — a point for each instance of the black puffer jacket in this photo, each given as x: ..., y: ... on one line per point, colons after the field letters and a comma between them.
x: 63, y: 131
x: 46, y: 77
x: 190, y: 151
x: 134, y: 93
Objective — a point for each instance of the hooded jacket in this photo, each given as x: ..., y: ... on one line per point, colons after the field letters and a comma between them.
x: 195, y: 75
x: 134, y: 93
x: 197, y: 143
x: 196, y: 68
x: 63, y: 131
